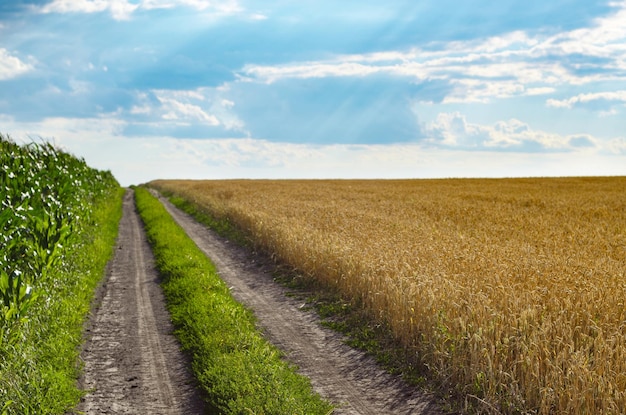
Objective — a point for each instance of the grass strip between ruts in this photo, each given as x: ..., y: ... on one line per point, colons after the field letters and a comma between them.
x: 239, y: 371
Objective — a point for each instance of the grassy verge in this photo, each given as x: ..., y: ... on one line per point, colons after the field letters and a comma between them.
x: 237, y: 368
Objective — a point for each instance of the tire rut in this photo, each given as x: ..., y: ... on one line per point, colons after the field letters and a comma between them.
x: 132, y: 362
x: 345, y: 376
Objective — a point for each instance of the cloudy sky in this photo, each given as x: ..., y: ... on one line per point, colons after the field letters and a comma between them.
x: 319, y: 88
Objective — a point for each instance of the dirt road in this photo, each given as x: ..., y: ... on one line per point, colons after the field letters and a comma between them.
x: 341, y: 374
x: 133, y: 364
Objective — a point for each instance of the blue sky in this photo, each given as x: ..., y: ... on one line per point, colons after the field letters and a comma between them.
x: 315, y: 89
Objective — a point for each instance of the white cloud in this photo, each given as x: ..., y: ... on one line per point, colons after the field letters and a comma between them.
x: 226, y: 6
x: 474, y: 90
x: 604, y: 39
x: 540, y: 91
x: 476, y: 77
x: 119, y: 9
x: 123, y: 9
x: 10, y: 66
x: 257, y: 16
x: 614, y: 96
x: 454, y: 131
x: 176, y: 110
x: 617, y: 146
x: 204, y: 106
x: 136, y: 109
x: 226, y: 103
x: 514, y: 64
x: 270, y: 74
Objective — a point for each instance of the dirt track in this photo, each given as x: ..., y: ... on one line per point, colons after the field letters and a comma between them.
x: 133, y: 363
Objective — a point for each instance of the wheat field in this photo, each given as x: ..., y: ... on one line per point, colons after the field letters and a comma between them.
x: 512, y: 290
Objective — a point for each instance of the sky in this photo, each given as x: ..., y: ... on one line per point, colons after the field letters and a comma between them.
x: 203, y: 89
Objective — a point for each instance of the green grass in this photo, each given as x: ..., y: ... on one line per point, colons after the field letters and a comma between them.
x: 58, y: 225
x: 239, y: 371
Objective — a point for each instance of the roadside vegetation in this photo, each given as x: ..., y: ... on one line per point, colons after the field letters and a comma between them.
x: 511, y: 291
x: 58, y: 223
x: 238, y: 370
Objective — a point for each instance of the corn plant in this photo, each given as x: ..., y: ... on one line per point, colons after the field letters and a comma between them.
x: 42, y: 191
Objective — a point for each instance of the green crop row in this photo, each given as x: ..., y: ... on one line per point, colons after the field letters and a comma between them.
x: 239, y: 371
x: 58, y: 223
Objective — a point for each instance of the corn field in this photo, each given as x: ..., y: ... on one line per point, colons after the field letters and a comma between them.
x: 511, y: 291
x: 46, y: 200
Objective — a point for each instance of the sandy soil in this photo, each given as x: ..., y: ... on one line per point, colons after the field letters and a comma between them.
x: 341, y: 374
x: 133, y: 364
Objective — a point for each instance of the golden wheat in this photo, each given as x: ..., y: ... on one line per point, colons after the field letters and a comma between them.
x: 511, y: 289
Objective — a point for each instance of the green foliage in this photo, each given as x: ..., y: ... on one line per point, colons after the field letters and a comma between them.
x: 58, y: 223
x: 238, y: 369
